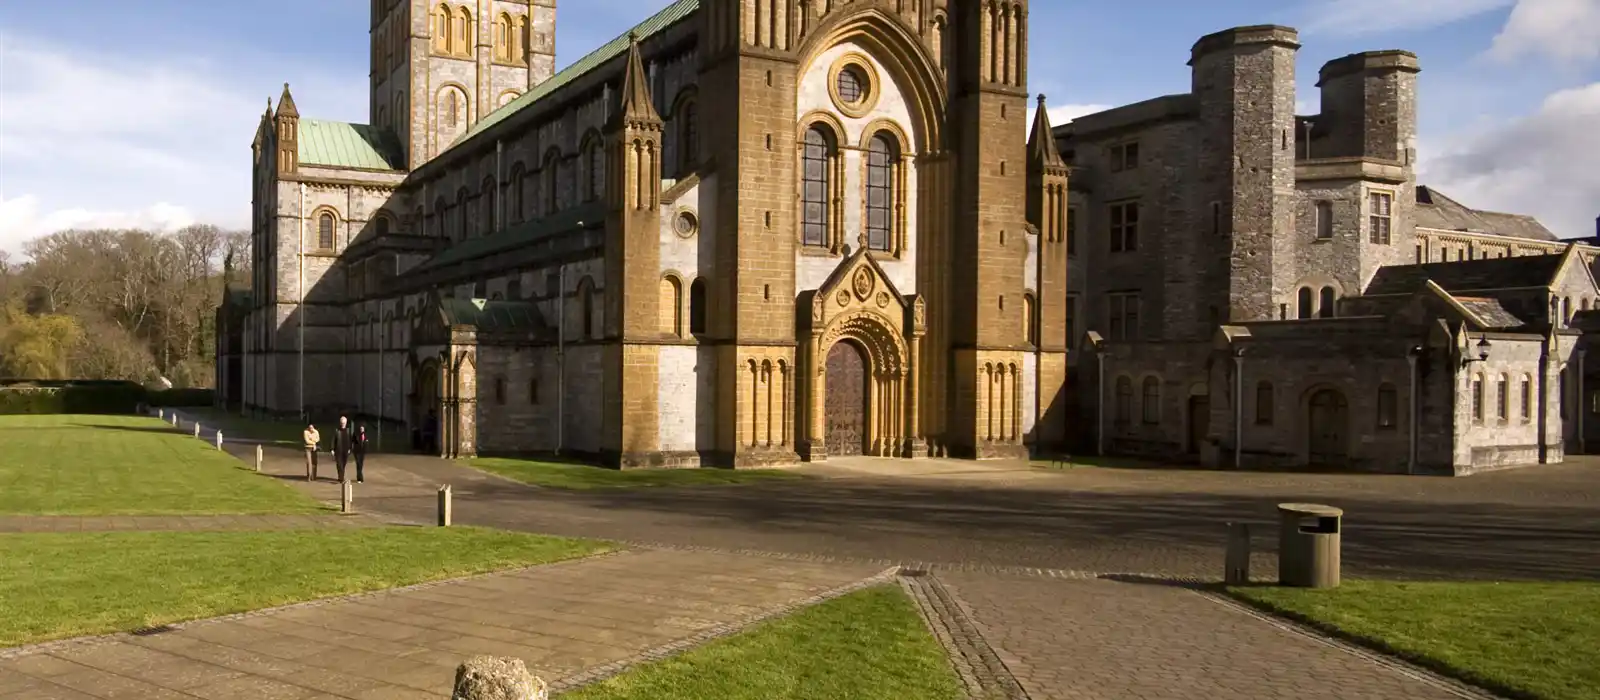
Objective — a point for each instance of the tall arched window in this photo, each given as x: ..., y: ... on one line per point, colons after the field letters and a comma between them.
x: 486, y: 217
x: 325, y: 227
x: 518, y: 199
x: 1305, y: 302
x: 514, y: 288
x: 549, y: 183
x: 882, y: 154
x: 586, y: 307
x: 519, y: 40
x: 816, y: 185
x: 461, y: 214
x: 440, y: 216
x: 380, y: 226
x: 1264, y: 403
x: 1324, y: 220
x: 461, y: 37
x: 1124, y: 404
x: 1325, y: 303
x: 596, y: 165
x: 441, y: 28
x: 502, y: 37
x: 688, y: 137
x: 697, y: 306
x: 1150, y: 401
x: 671, y: 306
x: 1030, y: 320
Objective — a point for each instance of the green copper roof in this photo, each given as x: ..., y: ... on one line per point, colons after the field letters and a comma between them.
x: 611, y: 49
x: 492, y: 315
x: 587, y: 215
x: 342, y: 145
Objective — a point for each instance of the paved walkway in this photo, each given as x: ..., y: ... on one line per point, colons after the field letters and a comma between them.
x: 168, y: 523
x: 561, y: 619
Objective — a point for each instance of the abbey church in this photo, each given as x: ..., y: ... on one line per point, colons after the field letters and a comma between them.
x: 746, y: 232
x: 754, y: 232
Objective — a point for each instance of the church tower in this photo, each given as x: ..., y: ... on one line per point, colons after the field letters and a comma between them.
x: 440, y: 66
x: 989, y: 244
x: 633, y: 260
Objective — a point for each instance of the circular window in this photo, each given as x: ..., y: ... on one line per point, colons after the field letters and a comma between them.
x: 685, y: 224
x: 852, y: 85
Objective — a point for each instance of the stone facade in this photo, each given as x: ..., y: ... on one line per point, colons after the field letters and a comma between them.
x: 1252, y: 287
x: 514, y: 260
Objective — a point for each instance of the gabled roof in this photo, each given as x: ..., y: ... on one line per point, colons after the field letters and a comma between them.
x: 583, y: 216
x: 344, y: 145
x: 1469, y: 275
x: 599, y: 57
x: 1438, y: 212
x: 492, y: 315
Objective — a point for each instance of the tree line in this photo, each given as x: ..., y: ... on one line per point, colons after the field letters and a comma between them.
x: 117, y: 303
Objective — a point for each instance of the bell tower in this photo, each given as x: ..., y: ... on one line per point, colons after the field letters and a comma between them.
x: 988, y: 243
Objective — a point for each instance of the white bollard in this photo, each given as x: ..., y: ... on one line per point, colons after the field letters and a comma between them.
x: 174, y: 419
x: 219, y: 439
x: 444, y: 506
x: 258, y: 458
x: 161, y: 413
x: 197, y: 430
x: 347, y: 497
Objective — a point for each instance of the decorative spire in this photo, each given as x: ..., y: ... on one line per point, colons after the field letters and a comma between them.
x: 637, y: 105
x: 286, y: 106
x: 1042, y: 148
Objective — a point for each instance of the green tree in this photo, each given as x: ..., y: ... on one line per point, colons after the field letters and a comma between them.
x: 37, y: 347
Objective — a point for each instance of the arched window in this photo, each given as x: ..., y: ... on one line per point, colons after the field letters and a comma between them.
x: 548, y: 183
x: 1124, y: 403
x: 1527, y: 398
x: 440, y: 214
x: 380, y: 226
x: 1388, y: 406
x: 519, y: 40
x: 596, y: 165
x: 1502, y: 398
x: 452, y: 107
x: 1324, y: 220
x: 461, y: 214
x: 586, y: 308
x: 882, y: 155
x: 816, y: 185
x: 461, y: 38
x: 1030, y: 320
x: 502, y: 37
x: 688, y: 137
x: 518, y: 199
x: 671, y: 306
x: 441, y: 28
x: 1150, y: 401
x: 486, y: 217
x: 1264, y: 403
x: 1325, y: 303
x: 514, y: 289
x: 1305, y: 302
x: 325, y: 228
x: 697, y: 306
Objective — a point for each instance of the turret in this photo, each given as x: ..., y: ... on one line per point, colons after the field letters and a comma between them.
x: 287, y: 125
x: 1047, y: 213
x: 1369, y: 102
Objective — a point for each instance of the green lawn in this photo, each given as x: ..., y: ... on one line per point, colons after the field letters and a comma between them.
x: 237, y: 426
x: 584, y: 476
x: 1528, y: 639
x: 126, y: 465
x: 870, y: 644
x: 62, y: 585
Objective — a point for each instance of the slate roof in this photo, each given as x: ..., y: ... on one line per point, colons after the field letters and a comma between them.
x: 583, y: 216
x: 599, y: 57
x: 1493, y: 314
x: 344, y: 145
x: 491, y: 315
x: 1468, y: 275
x: 1436, y: 211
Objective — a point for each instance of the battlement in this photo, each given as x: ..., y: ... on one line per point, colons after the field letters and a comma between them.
x: 1368, y: 62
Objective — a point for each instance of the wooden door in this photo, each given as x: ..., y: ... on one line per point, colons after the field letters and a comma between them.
x: 846, y: 400
x: 1328, y: 423
x: 1199, y: 422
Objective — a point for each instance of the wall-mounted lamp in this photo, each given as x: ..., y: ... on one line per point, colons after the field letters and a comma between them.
x: 1483, y: 352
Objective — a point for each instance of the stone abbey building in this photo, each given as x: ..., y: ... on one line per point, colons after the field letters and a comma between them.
x: 1253, y: 287
x: 747, y: 232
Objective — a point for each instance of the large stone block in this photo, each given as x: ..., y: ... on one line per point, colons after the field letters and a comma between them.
x: 497, y: 678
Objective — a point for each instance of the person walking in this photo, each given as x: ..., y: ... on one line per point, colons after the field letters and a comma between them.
x: 358, y: 447
x: 341, y: 446
x: 311, y: 438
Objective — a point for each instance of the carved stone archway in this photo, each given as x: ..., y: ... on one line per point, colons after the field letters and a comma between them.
x: 860, y: 306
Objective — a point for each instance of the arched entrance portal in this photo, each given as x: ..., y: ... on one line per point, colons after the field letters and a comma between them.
x: 1327, y: 424
x: 424, y: 407
x: 845, y: 406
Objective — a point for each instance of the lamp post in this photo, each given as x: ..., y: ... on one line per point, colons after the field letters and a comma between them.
x: 1238, y: 406
x: 1413, y: 355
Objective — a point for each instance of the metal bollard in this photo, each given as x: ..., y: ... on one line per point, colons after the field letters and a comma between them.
x: 444, y: 506
x: 258, y: 458
x: 347, y: 497
x: 1237, y: 561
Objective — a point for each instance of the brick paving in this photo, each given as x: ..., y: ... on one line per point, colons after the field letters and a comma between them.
x: 562, y: 619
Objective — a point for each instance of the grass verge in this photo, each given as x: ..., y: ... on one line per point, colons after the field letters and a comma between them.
x: 286, y: 433
x: 126, y: 465
x: 868, y: 644
x: 1524, y: 640
x: 65, y: 585
x: 584, y: 476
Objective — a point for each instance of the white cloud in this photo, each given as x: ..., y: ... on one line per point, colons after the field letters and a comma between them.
x: 1358, y: 17
x: 1540, y: 164
x: 1565, y: 30
x: 90, y: 137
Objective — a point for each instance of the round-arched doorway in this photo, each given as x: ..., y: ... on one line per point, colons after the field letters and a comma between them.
x: 845, y: 404
x: 1327, y: 428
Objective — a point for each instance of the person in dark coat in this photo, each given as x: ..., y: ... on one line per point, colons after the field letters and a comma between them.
x: 430, y: 433
x: 358, y: 447
x: 341, y: 446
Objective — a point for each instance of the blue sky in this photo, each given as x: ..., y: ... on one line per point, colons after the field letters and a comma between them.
x: 141, y: 113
